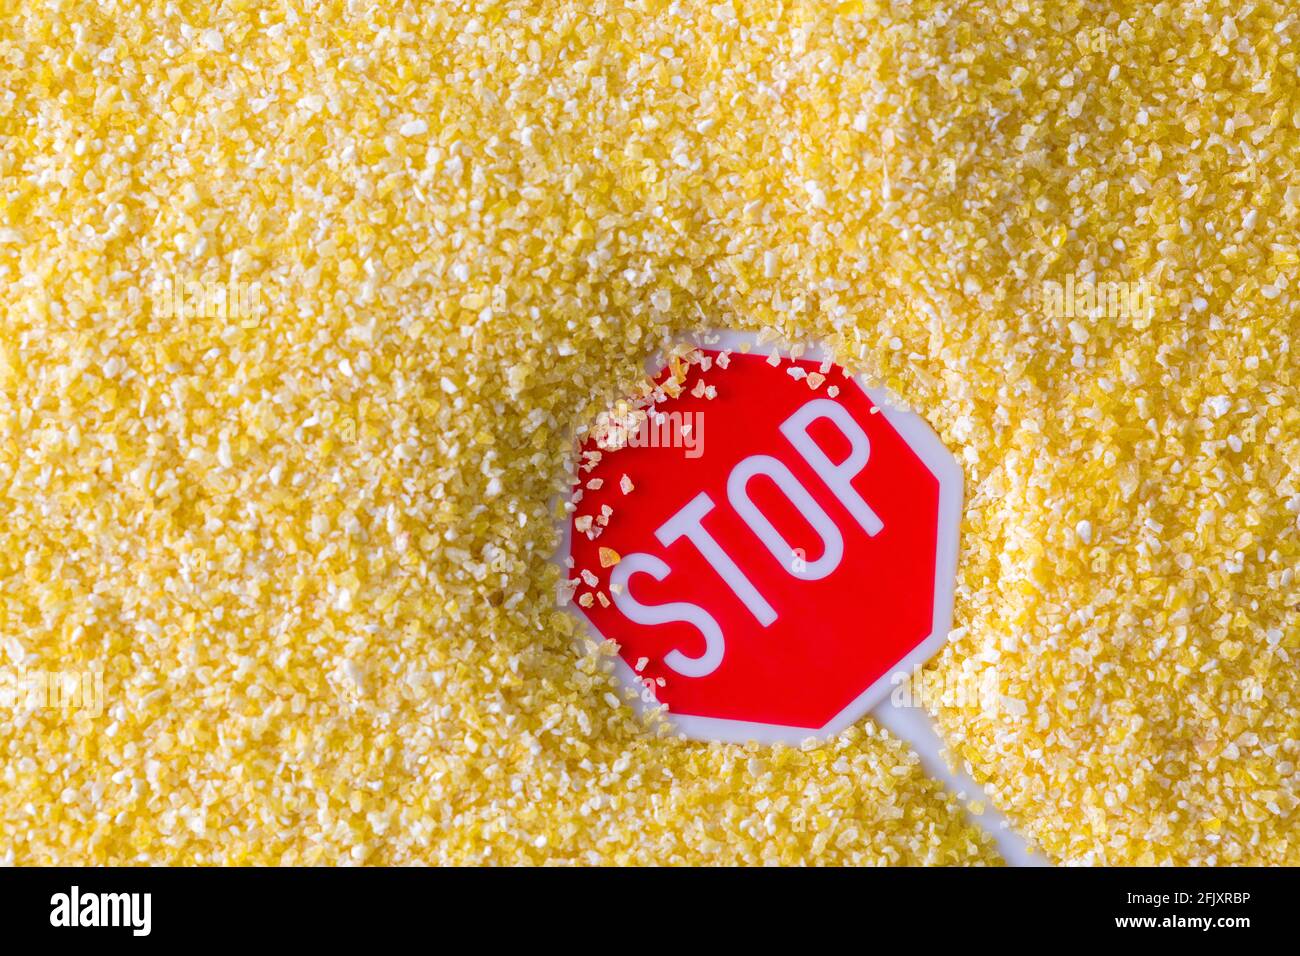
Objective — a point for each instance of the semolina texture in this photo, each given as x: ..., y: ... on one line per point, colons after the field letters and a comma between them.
x: 301, y: 303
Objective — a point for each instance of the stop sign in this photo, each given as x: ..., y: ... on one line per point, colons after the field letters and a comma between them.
x: 767, y: 541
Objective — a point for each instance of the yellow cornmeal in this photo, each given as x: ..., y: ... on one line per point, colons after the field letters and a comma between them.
x: 302, y: 527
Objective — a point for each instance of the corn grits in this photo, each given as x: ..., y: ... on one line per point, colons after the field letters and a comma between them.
x: 301, y: 303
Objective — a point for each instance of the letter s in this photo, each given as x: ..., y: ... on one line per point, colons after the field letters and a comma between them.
x: 693, y: 614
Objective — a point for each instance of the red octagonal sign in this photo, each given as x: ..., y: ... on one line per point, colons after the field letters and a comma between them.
x: 767, y: 541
